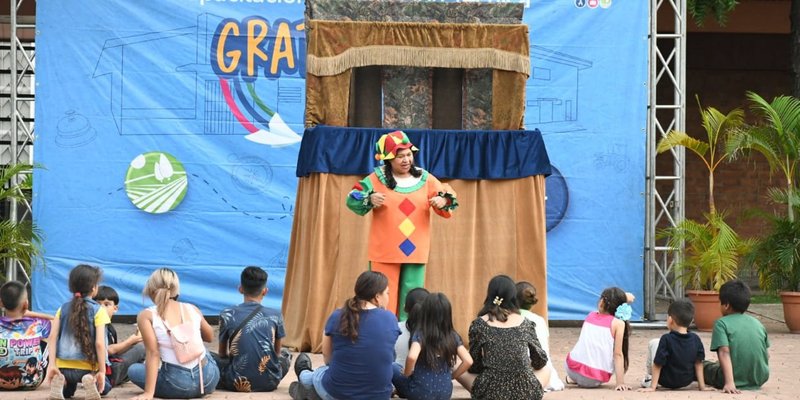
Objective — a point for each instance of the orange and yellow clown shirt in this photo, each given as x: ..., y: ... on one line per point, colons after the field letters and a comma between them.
x: 400, y: 231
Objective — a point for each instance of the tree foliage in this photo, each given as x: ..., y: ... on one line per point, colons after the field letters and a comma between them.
x: 718, y: 9
x: 19, y: 240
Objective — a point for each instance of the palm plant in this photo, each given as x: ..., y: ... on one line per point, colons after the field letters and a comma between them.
x: 717, y: 126
x: 777, y: 256
x: 777, y: 139
x: 19, y: 240
x: 711, y: 253
x: 699, y: 9
x: 711, y: 248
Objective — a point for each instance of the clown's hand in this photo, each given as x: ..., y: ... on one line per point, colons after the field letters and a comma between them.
x: 438, y: 202
x: 377, y: 199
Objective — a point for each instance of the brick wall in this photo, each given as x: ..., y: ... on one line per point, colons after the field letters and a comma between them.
x: 721, y: 67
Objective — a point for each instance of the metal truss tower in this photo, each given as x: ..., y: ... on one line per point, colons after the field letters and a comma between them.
x: 17, y: 62
x: 665, y: 178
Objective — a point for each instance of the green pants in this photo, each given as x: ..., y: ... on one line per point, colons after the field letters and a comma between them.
x: 402, y: 279
x: 712, y: 374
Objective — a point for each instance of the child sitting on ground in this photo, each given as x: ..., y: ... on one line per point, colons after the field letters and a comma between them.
x: 413, y: 303
x: 602, y: 348
x: 121, y: 354
x: 675, y: 360
x: 526, y: 297
x: 504, y: 348
x: 23, y: 338
x: 740, y: 342
x: 435, y: 346
x: 250, y: 339
x: 78, y: 340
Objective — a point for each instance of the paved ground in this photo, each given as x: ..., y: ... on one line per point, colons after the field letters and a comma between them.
x: 783, y: 383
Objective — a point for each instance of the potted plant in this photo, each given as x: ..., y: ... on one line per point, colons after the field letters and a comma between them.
x: 19, y: 240
x: 711, y: 248
x: 776, y: 257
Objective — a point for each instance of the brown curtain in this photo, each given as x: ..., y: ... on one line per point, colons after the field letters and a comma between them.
x: 499, y: 228
x: 328, y: 99
x: 335, y: 47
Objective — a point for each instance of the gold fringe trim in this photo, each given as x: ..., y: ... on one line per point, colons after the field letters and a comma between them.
x: 434, y: 57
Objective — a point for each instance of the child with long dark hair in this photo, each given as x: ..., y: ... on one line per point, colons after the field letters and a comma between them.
x: 412, y: 308
x: 78, y: 340
x: 435, y: 347
x: 602, y: 348
x: 504, y: 347
x: 358, y: 348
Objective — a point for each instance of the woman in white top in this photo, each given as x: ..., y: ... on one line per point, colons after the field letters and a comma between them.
x: 176, y: 365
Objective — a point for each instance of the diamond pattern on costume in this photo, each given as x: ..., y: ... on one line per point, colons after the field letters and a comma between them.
x: 407, y: 207
x: 407, y: 227
x: 407, y: 247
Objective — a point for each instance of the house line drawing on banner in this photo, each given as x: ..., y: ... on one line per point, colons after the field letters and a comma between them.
x: 162, y: 83
x: 552, y: 94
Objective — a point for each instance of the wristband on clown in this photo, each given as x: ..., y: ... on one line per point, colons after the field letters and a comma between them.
x: 452, y: 203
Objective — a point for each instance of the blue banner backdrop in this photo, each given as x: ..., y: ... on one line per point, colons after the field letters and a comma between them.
x: 168, y: 140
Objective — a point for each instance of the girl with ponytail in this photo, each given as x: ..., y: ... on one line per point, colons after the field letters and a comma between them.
x: 358, y: 348
x: 504, y: 348
x: 176, y: 365
x: 77, y: 343
x: 602, y: 348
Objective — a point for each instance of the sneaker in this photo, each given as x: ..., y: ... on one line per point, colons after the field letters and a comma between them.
x: 286, y: 354
x: 90, y: 386
x: 302, y: 363
x: 57, y: 388
x: 296, y: 391
x: 299, y: 392
x: 647, y: 381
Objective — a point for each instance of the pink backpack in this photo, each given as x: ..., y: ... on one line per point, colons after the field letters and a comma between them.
x: 187, y: 343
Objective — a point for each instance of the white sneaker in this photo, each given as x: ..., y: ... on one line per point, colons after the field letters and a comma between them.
x: 647, y: 381
x: 57, y: 388
x: 90, y: 386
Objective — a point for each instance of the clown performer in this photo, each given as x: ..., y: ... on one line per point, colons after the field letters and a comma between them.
x: 401, y: 197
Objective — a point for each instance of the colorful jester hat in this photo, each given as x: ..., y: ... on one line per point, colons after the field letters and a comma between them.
x: 387, y: 146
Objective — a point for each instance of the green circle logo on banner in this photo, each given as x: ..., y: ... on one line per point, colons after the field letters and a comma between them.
x: 156, y: 182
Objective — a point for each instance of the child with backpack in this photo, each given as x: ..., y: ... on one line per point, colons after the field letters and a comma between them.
x: 176, y: 362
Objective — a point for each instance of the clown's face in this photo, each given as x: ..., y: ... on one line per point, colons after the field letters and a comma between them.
x: 402, y: 162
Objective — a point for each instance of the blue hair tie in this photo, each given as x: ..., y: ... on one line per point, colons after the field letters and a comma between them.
x: 624, y: 312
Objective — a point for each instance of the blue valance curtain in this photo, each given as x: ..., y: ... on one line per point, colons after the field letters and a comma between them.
x: 447, y: 154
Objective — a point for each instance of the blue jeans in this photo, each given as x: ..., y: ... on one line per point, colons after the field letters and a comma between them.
x: 73, y: 376
x: 313, y: 379
x: 177, y: 382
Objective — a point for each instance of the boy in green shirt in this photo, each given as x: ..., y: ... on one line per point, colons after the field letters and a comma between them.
x: 740, y: 342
